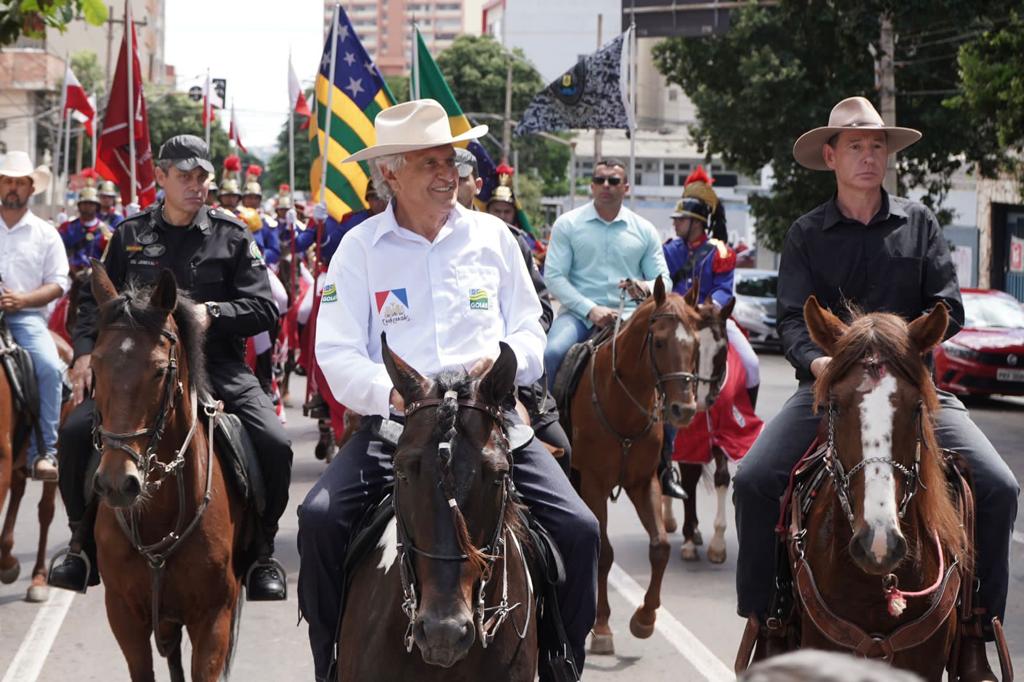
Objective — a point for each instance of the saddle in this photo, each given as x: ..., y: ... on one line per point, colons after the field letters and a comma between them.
x: 17, y: 365
x: 567, y: 379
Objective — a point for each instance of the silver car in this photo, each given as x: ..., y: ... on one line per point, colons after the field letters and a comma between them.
x: 756, y: 306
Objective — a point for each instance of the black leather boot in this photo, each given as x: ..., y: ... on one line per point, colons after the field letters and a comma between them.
x: 669, y: 477
x: 75, y: 567
x: 266, y: 579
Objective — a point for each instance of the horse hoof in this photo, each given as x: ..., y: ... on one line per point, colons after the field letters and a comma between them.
x: 639, y: 629
x: 670, y: 525
x: 9, y: 575
x: 716, y: 553
x: 688, y: 552
x: 602, y: 645
x: 37, y: 594
x: 698, y: 539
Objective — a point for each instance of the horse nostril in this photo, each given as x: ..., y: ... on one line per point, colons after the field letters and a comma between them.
x: 132, y: 487
x: 99, y: 486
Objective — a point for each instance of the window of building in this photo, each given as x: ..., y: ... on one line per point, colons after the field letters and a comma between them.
x: 675, y: 173
x: 726, y: 179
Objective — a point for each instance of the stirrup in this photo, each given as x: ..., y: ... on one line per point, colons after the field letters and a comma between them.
x: 67, y: 551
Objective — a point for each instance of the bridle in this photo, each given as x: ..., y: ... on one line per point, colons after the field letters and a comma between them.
x: 841, y: 478
x: 687, y: 378
x: 488, y: 619
x: 157, y: 553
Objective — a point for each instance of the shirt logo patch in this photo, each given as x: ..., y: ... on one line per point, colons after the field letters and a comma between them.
x: 392, y: 306
x: 154, y: 250
x: 478, y: 299
x: 330, y: 294
x: 254, y: 251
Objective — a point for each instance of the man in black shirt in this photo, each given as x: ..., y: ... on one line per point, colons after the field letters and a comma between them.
x: 880, y: 253
x: 213, y: 258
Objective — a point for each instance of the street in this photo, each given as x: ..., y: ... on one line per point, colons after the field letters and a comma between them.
x: 698, y: 630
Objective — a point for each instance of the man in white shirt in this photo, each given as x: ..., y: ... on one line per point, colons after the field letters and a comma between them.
x: 447, y: 285
x: 33, y: 272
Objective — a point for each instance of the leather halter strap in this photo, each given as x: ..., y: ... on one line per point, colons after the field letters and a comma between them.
x: 492, y: 411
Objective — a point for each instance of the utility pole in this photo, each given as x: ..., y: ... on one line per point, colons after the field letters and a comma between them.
x: 506, y: 130
x: 598, y: 134
x: 887, y: 91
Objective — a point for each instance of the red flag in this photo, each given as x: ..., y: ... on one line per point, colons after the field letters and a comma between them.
x: 234, y: 134
x: 75, y: 98
x: 211, y: 102
x: 113, y: 159
x: 296, y: 99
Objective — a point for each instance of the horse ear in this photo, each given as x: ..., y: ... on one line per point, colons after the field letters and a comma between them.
x: 693, y: 293
x: 103, y: 289
x: 659, y: 291
x: 726, y: 310
x: 501, y: 379
x: 927, y: 331
x: 165, y: 296
x: 824, y: 327
x: 408, y: 382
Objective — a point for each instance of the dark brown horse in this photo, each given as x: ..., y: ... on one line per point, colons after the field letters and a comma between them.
x: 645, y: 373
x: 881, y: 547
x: 168, y: 527
x: 14, y: 478
x: 711, y: 370
x: 449, y: 576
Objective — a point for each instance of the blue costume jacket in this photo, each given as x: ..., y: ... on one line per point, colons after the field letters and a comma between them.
x: 84, y: 242
x: 332, y: 233
x: 113, y: 219
x: 711, y: 260
x: 266, y: 239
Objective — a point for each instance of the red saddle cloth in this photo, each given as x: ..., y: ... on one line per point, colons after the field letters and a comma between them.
x: 731, y: 423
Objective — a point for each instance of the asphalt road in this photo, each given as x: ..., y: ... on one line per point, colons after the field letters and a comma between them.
x: 68, y: 637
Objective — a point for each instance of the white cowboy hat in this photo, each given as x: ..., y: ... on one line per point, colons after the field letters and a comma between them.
x: 18, y: 165
x: 852, y: 113
x: 407, y: 127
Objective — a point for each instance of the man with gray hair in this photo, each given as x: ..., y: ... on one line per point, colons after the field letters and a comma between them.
x: 447, y: 285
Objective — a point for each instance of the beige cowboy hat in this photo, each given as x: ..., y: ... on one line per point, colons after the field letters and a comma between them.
x: 18, y: 165
x: 407, y: 127
x: 851, y: 113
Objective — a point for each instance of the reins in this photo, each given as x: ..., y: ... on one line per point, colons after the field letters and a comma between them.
x: 487, y: 625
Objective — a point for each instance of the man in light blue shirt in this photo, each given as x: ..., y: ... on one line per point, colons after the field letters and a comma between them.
x: 595, y: 251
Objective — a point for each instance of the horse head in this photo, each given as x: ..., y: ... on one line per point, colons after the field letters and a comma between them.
x: 713, y: 357
x: 879, y: 396
x: 140, y: 375
x: 452, y: 498
x: 673, y: 343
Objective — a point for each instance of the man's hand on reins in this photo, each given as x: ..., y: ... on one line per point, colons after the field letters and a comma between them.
x: 81, y: 379
x: 601, y: 316
x: 636, y: 290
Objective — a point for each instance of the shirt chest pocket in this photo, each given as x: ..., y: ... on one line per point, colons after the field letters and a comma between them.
x: 478, y: 289
x: 209, y: 284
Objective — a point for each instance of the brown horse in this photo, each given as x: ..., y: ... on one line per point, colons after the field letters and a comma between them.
x: 14, y: 473
x: 646, y: 369
x: 711, y: 368
x: 168, y: 527
x: 450, y: 570
x: 881, y: 547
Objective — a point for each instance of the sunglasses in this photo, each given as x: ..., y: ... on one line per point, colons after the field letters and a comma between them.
x: 612, y: 180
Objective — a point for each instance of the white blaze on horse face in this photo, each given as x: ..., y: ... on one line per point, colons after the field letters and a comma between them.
x: 709, y: 349
x: 876, y: 422
x: 127, y: 345
x: 388, y: 545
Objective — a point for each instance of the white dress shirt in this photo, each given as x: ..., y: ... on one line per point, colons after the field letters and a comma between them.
x: 443, y: 304
x: 31, y: 255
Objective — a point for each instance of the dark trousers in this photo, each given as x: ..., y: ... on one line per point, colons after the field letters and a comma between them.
x: 238, y: 388
x: 356, y: 478
x: 764, y: 472
x: 553, y: 434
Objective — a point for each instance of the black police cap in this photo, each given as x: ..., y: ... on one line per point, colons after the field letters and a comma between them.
x: 186, y: 152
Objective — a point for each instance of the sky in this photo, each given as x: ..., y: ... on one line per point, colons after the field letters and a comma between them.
x: 247, y: 43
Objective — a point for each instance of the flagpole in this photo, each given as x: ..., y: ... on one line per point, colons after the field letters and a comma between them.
x: 207, y: 109
x: 414, y: 81
x: 67, y: 147
x: 130, y: 62
x: 330, y: 110
x: 95, y: 127
x: 632, y: 104
x: 291, y: 133
x: 56, y: 143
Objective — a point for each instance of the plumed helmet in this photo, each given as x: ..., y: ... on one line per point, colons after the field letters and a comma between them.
x: 252, y: 181
x: 88, y: 194
x: 108, y: 189
x: 229, y: 179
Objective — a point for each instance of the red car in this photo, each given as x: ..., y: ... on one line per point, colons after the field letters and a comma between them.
x: 987, y: 356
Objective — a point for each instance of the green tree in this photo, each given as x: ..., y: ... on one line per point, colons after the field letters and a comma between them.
x: 779, y: 70
x: 86, y: 67
x: 399, y: 86
x: 991, y: 90
x: 476, y: 69
x: 277, y: 167
x: 31, y: 18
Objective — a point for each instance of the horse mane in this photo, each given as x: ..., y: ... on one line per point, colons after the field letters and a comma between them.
x: 884, y: 338
x: 133, y: 309
x: 447, y: 413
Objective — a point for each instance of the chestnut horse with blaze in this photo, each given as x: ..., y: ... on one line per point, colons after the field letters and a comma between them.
x: 879, y: 550
x: 169, y: 528
x: 644, y: 373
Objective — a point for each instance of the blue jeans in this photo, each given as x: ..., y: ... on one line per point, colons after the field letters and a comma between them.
x: 566, y: 330
x: 30, y: 332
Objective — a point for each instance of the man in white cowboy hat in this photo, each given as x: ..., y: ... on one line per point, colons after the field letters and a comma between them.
x: 880, y: 253
x: 462, y: 288
x: 33, y: 272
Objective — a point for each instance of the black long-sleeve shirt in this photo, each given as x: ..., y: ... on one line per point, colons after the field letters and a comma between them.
x: 213, y: 259
x: 898, y: 263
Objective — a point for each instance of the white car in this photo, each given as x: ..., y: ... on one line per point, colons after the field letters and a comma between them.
x: 756, y: 306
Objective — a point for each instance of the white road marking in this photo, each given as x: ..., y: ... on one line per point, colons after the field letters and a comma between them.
x: 35, y: 647
x: 681, y: 639
x: 1018, y: 537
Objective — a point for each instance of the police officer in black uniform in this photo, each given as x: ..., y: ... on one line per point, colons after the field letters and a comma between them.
x: 213, y: 257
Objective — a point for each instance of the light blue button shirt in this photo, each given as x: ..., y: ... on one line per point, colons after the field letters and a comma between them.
x: 588, y: 256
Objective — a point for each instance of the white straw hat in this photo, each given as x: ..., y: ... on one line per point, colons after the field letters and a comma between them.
x: 407, y: 127
x: 18, y: 165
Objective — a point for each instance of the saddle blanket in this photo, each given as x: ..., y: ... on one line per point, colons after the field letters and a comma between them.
x: 730, y: 424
